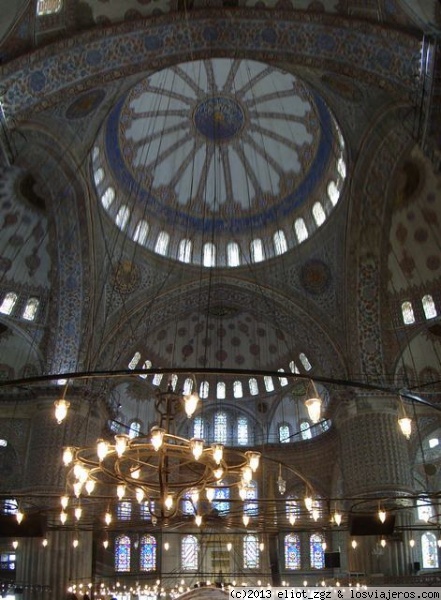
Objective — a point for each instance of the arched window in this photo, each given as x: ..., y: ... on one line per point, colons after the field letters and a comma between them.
x: 429, y: 551
x: 189, y: 553
x: 198, y: 428
x: 292, y: 509
x: 250, y: 505
x: 48, y: 7
x: 184, y: 253
x: 292, y: 551
x: 220, y: 427
x: 8, y: 303
x: 250, y: 551
x: 429, y: 307
x: 122, y: 216
x: 135, y: 360
x: 30, y: 310
x: 220, y: 390
x: 147, y: 553
x: 237, y: 389
x: 284, y: 433
x: 122, y: 553
x: 98, y: 175
x: 221, y: 499
x: 146, y: 367
x: 157, y: 378
x: 209, y: 255
x: 242, y: 431
x: 407, y: 312
x: 282, y: 380
x: 124, y: 511
x: 318, y: 213
x: 333, y: 193
x: 108, y: 197
x: 316, y: 552
x: 257, y: 251
x: 95, y: 153
x: 280, y: 245
x: 233, y: 256
x: 204, y: 389
x: 188, y: 386
x: 424, y: 508
x: 293, y: 367
x: 305, y: 430
x: 173, y: 381
x: 300, y: 230
x: 254, y: 388
x: 162, y: 242
x: 141, y: 232
x: 305, y: 361
x: 341, y: 167
x: 269, y: 383
x: 135, y: 429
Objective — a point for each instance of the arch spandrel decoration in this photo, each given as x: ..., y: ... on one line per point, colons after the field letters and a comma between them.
x: 386, y: 58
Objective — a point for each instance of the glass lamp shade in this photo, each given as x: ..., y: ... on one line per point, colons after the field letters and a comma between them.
x: 191, y: 402
x: 308, y: 503
x: 382, y: 515
x: 121, y: 443
x: 168, y: 502
x: 198, y: 520
x: 405, y: 424
x: 246, y: 520
x: 218, y: 453
x: 253, y: 460
x: 281, y: 485
x: 247, y: 474
x: 61, y: 408
x: 337, y: 518
x: 197, y: 447
x: 68, y: 455
x: 157, y: 437
x: 314, y: 408
x: 102, y: 448
x: 209, y: 492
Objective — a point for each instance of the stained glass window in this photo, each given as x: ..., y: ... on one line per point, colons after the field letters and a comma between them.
x: 157, y: 378
x: 333, y: 193
x: 124, y: 511
x: 293, y: 367
x: 250, y: 552
x: 269, y: 383
x: 135, y: 429
x: 316, y: 552
x: 284, y: 433
x: 198, y: 428
x: 221, y: 497
x: 341, y: 167
x: 122, y: 553
x: 135, y: 360
x: 429, y: 550
x: 250, y: 505
x: 254, y: 388
x: 305, y: 429
x: 146, y: 509
x: 141, y: 232
x: 305, y: 361
x: 98, y: 175
x: 188, y: 386
x: 220, y: 427
x: 146, y: 366
x: 242, y: 431
x: 407, y: 312
x: 424, y: 508
x: 147, y: 553
x: 280, y: 245
x: 233, y: 257
x: 282, y: 380
x: 204, y: 389
x: 220, y: 390
x: 292, y: 551
x: 189, y: 553
x: 184, y: 254
x: 429, y: 307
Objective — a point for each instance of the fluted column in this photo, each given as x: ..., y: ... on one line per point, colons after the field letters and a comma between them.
x: 375, y: 465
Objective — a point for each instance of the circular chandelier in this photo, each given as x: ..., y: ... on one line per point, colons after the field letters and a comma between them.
x: 161, y: 469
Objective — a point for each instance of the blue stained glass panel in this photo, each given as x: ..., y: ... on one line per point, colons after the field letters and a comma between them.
x: 122, y: 553
x: 292, y: 551
x: 317, y: 554
x: 148, y: 553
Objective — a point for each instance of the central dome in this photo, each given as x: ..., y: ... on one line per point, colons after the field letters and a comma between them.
x: 221, y: 152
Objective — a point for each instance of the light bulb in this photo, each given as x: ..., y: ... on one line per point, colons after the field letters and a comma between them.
x: 194, y: 494
x: 61, y: 408
x: 135, y: 473
x: 313, y: 406
x: 77, y: 487
x: 90, y: 486
x: 190, y: 404
x: 315, y: 514
x: 412, y: 543
x: 15, y: 544
x: 246, y: 520
x: 75, y: 543
x: 383, y: 542
x: 243, y: 492
x: 308, y: 503
x: 405, y: 424
x: 139, y: 495
x: 218, y: 473
x: 107, y: 518
x: 168, y: 502
x: 261, y: 546
x: 209, y: 492
x: 44, y: 543
x: 120, y: 491
x: 19, y: 516
x: 166, y: 546
x: 63, y: 517
x: 382, y: 515
x: 78, y: 512
x: 292, y: 519
x: 106, y: 544
x: 247, y: 474
x: 354, y: 544
x: 337, y: 518
x: 229, y: 546
x: 198, y: 520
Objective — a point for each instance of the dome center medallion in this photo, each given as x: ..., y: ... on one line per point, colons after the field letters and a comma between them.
x: 218, y: 118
